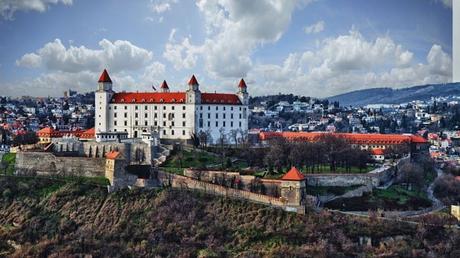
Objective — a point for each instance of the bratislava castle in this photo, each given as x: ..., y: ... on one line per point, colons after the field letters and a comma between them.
x: 174, y: 115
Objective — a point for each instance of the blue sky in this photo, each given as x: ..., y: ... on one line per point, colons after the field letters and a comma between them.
x: 310, y: 47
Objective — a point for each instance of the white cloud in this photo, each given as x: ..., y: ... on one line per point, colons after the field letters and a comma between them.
x: 161, y: 6
x: 117, y: 56
x: 315, y: 28
x: 234, y: 30
x: 447, y: 3
x: 130, y: 67
x: 9, y: 7
x: 350, y: 62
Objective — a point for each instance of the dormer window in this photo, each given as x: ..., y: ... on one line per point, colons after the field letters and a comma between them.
x: 133, y: 100
x: 122, y: 100
x: 181, y: 100
x: 151, y: 100
x: 173, y: 100
x: 161, y: 100
x: 143, y: 100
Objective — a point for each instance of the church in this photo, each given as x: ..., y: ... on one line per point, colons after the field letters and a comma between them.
x: 175, y: 116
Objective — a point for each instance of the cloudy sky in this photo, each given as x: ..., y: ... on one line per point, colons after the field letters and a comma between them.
x: 310, y: 47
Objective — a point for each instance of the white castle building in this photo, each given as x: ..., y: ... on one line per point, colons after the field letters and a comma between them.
x: 174, y: 115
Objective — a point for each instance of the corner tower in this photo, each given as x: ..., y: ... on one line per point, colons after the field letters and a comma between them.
x: 193, y: 92
x: 243, y: 92
x: 103, y: 96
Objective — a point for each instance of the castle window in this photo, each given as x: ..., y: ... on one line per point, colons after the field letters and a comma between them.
x: 126, y: 107
x: 209, y: 107
x: 183, y: 115
x: 126, y: 115
x: 217, y: 108
x: 183, y: 132
x: 126, y: 123
x: 217, y: 124
x: 172, y: 132
x: 209, y: 115
x: 173, y: 106
x: 136, y: 122
x: 231, y: 124
x: 115, y: 107
x: 231, y: 108
x: 164, y: 131
x: 231, y: 115
x: 183, y: 107
x: 201, y: 107
x: 240, y: 124
x: 209, y: 124
x: 164, y: 115
x: 156, y: 115
x: 115, y: 123
x: 155, y: 123
x: 146, y: 115
x: 240, y: 116
x: 155, y: 107
x: 146, y: 123
x: 224, y: 123
x: 115, y: 114
x: 217, y: 115
x: 136, y: 115
x: 164, y: 107
x: 145, y: 107
x: 224, y: 115
x: 201, y: 115
x: 172, y: 123
x: 183, y: 123
x: 164, y: 123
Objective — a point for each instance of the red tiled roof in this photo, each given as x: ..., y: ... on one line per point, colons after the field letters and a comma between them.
x: 377, y: 152
x: 220, y: 98
x: 105, y: 77
x: 173, y: 97
x: 112, y: 155
x: 242, y: 84
x: 88, y: 134
x: 193, y: 81
x: 293, y: 175
x: 354, y: 138
x: 164, y: 85
x: 149, y: 97
x: 45, y: 131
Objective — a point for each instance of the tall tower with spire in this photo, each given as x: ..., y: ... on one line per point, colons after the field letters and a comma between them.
x: 243, y: 92
x: 193, y: 93
x: 164, y: 87
x: 102, y: 98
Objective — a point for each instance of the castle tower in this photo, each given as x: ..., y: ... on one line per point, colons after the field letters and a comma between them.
x: 103, y: 96
x: 164, y: 87
x: 456, y: 40
x: 293, y: 188
x: 193, y: 91
x: 243, y: 92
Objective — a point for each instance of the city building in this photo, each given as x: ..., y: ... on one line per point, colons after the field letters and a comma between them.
x: 175, y: 115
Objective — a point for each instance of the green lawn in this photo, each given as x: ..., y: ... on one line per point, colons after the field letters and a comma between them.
x: 197, y: 159
x: 396, y: 197
x: 10, y: 160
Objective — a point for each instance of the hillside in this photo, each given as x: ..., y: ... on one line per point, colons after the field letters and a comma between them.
x: 40, y: 217
x: 396, y: 96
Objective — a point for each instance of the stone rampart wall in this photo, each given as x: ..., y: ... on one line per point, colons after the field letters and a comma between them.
x: 44, y: 163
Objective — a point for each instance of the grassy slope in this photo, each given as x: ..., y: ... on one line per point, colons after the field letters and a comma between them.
x: 60, y: 219
x: 10, y: 159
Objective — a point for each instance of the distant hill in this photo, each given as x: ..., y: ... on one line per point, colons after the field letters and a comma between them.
x: 396, y: 96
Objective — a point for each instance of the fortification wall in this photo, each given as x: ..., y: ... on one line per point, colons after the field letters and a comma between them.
x: 178, y: 181
x: 44, y: 163
x: 375, y: 178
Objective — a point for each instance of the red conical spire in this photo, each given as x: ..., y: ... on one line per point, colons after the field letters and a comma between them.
x: 193, y: 81
x: 164, y: 85
x: 105, y: 77
x: 293, y: 175
x: 242, y: 84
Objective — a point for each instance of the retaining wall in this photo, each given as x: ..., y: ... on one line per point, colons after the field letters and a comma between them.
x: 44, y: 163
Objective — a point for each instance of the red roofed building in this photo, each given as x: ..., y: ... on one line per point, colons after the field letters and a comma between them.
x: 364, y: 141
x: 293, y: 187
x: 46, y: 134
x: 176, y: 115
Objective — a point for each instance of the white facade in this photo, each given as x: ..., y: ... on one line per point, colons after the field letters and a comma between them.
x: 456, y: 40
x: 175, y: 115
